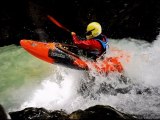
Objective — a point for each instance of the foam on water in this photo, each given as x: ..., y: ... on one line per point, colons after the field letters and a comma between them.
x: 70, y: 89
x: 141, y: 98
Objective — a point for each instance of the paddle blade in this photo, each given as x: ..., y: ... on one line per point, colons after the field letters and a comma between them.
x: 57, y: 23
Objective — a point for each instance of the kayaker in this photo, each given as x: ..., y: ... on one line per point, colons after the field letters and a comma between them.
x: 95, y: 43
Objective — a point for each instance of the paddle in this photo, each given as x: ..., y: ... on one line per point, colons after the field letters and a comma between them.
x: 57, y: 23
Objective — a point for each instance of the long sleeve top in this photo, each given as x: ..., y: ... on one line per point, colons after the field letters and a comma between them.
x: 88, y: 44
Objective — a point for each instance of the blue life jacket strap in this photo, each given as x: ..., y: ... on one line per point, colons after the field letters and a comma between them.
x: 103, y: 43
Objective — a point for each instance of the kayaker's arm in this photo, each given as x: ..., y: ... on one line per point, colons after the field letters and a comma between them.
x: 78, y: 42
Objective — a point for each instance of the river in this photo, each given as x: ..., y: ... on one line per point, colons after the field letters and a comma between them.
x: 27, y: 81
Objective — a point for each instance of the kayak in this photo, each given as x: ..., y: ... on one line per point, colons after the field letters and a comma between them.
x: 69, y: 56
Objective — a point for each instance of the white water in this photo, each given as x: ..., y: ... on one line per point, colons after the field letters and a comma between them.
x: 55, y: 87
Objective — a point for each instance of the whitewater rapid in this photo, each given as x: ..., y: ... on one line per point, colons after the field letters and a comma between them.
x: 30, y: 82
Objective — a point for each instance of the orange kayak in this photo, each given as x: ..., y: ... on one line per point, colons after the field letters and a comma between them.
x: 67, y: 55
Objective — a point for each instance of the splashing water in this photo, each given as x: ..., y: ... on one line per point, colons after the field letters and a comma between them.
x: 29, y: 82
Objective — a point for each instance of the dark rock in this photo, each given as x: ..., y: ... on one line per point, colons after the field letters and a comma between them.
x: 76, y: 115
x: 3, y: 115
x: 31, y: 114
x: 59, y: 115
x: 98, y: 112
x: 38, y: 114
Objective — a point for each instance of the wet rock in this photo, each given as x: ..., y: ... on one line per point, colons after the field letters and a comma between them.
x: 3, y: 115
x: 98, y: 112
x: 31, y: 113
x: 37, y: 114
x: 59, y: 115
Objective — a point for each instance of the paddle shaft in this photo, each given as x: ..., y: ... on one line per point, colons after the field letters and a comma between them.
x: 57, y: 23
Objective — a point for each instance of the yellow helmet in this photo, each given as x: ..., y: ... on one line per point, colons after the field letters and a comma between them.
x: 93, y: 30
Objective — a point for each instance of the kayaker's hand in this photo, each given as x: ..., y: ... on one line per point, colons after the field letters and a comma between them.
x: 73, y: 33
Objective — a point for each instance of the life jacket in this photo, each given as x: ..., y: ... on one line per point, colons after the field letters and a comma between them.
x: 102, y: 39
